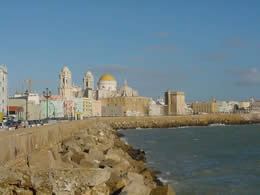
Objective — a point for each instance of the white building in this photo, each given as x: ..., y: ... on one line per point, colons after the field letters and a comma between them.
x: 3, y: 89
x: 66, y: 87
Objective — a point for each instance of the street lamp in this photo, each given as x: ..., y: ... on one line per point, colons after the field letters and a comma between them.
x: 26, y: 98
x: 47, y: 95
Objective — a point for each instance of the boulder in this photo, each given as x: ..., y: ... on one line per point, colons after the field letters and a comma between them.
x: 77, y: 157
x: 72, y: 145
x: 135, y: 177
x: 96, y: 155
x: 84, y: 163
x: 115, y: 154
x: 96, y: 176
x: 115, y: 183
x: 121, y: 168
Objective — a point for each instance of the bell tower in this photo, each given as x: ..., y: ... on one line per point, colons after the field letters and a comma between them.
x: 65, y: 87
x: 88, y: 85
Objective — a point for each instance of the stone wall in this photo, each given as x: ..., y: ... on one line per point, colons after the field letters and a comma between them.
x: 17, y: 145
x: 129, y: 105
x: 112, y: 111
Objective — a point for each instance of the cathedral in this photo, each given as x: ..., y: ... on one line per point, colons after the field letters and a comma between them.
x: 106, y: 87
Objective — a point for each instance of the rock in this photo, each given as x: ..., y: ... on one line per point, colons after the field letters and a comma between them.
x: 135, y: 177
x: 88, y: 142
x: 115, y: 183
x: 115, y: 154
x: 134, y: 188
x: 101, y: 189
x: 121, y: 168
x: 77, y: 157
x: 108, y: 163
x: 71, y: 180
x: 72, y: 145
x: 84, y: 163
x: 96, y: 155
x: 96, y: 176
x: 163, y: 190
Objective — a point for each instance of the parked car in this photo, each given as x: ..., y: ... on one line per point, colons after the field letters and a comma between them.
x: 3, y: 125
x: 11, y: 124
x: 32, y: 123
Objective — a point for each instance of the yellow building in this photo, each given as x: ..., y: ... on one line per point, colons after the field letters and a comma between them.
x: 91, y: 107
x: 125, y: 106
x: 87, y: 107
x: 205, y: 107
x: 175, y: 102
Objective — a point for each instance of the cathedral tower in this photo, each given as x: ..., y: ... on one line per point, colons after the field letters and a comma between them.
x: 65, y: 88
x: 88, y: 85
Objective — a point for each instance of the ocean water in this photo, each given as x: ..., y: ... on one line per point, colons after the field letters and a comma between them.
x: 215, y: 160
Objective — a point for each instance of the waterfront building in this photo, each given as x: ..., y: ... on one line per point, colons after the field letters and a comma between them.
x: 175, y: 102
x: 125, y: 106
x: 68, y: 109
x: 255, y: 108
x: 156, y: 109
x: 226, y: 106
x: 15, y: 112
x: 87, y: 107
x: 244, y: 105
x: 254, y: 105
x: 55, y: 108
x: 78, y: 108
x: 26, y: 107
x: 3, y: 89
x: 96, y: 108
x: 91, y: 107
x: 205, y: 107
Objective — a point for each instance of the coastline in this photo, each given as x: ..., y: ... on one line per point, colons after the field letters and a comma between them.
x: 88, y: 157
x: 178, y: 121
x: 92, y: 160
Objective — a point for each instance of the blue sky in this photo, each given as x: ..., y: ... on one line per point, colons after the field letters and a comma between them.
x: 204, y: 48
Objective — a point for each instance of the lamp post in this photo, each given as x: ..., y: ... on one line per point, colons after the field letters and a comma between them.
x: 47, y: 95
x: 26, y: 104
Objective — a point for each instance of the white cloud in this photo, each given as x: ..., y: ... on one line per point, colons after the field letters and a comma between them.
x: 247, y: 76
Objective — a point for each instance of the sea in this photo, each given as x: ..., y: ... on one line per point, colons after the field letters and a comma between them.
x: 212, y: 160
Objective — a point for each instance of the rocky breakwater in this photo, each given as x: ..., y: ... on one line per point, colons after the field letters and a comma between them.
x: 178, y: 121
x: 92, y: 161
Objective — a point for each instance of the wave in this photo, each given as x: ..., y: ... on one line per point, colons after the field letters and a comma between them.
x: 164, y: 181
x: 124, y: 140
x: 216, y: 124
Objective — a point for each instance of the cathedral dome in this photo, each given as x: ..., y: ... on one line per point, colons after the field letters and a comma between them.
x: 107, y: 82
x: 107, y: 77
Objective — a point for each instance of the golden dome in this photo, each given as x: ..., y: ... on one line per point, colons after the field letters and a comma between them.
x: 107, y: 77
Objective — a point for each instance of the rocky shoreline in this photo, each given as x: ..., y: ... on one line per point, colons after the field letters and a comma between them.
x: 93, y: 161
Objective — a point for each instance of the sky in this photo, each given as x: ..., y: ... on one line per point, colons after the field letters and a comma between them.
x: 204, y: 48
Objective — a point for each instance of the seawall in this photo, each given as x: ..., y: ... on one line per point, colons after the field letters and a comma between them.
x: 18, y: 144
x: 177, y: 121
